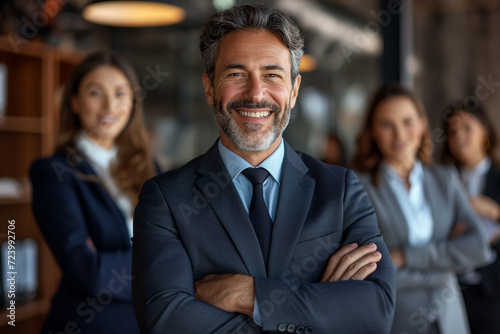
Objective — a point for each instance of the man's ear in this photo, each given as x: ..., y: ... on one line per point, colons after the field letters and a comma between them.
x: 209, y: 90
x: 295, y: 90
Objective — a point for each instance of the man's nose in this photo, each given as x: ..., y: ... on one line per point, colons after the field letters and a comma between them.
x: 255, y: 89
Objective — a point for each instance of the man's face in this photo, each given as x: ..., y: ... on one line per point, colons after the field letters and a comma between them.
x: 252, y: 90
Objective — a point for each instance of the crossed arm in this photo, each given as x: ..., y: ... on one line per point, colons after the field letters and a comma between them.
x: 236, y: 292
x: 344, y: 300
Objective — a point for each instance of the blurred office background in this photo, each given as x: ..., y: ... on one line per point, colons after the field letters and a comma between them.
x: 446, y: 50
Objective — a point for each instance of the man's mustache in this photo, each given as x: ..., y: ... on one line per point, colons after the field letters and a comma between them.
x: 264, y: 104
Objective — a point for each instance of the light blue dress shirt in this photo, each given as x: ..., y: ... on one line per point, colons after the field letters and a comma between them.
x: 412, y: 202
x: 235, y: 165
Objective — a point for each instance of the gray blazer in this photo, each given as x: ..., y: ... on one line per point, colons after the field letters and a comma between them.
x: 427, y: 289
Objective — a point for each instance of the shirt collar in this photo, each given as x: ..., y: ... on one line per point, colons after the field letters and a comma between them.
x: 416, y: 173
x: 236, y: 164
x: 97, y: 154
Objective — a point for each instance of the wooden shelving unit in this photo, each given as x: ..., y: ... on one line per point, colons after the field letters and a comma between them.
x: 27, y: 132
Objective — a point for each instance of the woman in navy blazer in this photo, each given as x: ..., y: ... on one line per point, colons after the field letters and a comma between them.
x: 84, y: 195
x: 470, y: 145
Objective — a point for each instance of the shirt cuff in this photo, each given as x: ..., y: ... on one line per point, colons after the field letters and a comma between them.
x: 256, y: 312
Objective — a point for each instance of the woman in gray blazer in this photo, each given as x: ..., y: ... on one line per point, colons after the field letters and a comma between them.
x: 428, y: 226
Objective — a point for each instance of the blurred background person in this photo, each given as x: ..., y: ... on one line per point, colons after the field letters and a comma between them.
x: 427, y: 224
x: 470, y: 146
x: 333, y: 151
x: 84, y: 195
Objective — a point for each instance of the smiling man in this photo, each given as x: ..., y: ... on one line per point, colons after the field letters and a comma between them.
x: 252, y: 236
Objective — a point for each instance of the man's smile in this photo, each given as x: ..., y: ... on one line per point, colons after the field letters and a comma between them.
x: 253, y: 114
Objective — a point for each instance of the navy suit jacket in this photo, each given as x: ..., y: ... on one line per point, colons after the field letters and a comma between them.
x: 190, y: 223
x: 70, y: 205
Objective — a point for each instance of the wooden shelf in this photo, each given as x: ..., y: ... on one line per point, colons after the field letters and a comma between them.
x: 26, y: 311
x: 22, y: 47
x: 35, y: 73
x: 15, y: 201
x: 22, y: 124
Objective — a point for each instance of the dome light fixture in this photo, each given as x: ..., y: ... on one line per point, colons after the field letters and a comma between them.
x: 134, y: 14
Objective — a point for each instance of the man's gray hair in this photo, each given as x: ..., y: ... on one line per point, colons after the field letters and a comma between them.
x: 250, y: 17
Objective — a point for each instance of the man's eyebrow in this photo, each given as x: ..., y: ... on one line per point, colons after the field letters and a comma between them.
x: 235, y: 66
x: 266, y: 67
x: 274, y: 67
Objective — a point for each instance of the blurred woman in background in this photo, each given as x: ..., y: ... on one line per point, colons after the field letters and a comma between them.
x: 427, y: 224
x: 84, y: 196
x: 470, y: 146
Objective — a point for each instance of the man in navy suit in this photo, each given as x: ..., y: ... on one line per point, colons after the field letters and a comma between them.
x: 210, y: 257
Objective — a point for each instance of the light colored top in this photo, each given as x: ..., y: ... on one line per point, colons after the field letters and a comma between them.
x: 100, y: 160
x: 235, y: 165
x: 474, y: 180
x: 412, y: 202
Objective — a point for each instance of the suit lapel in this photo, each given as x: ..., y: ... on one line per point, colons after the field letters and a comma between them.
x: 226, y: 203
x: 395, y: 216
x: 294, y: 200
x: 87, y: 174
x: 435, y: 201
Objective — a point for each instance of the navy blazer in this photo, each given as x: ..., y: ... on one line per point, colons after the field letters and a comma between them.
x: 190, y: 223
x: 70, y: 206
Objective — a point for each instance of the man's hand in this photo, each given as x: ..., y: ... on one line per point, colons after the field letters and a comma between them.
x: 229, y: 292
x: 352, y: 263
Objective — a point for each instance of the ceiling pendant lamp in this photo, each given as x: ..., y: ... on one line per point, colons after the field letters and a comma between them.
x: 134, y: 14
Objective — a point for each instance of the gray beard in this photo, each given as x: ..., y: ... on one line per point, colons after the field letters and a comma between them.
x: 243, y: 139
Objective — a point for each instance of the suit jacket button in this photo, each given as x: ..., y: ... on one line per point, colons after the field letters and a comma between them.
x: 290, y: 328
x: 282, y: 327
x: 300, y: 330
x: 308, y: 330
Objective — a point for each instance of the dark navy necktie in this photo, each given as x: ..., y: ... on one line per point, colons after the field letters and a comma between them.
x: 259, y: 214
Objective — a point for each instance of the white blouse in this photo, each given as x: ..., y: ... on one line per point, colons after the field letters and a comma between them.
x: 412, y: 202
x: 100, y: 160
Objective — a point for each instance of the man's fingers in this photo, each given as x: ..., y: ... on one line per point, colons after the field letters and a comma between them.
x: 350, y: 258
x: 335, y: 259
x: 365, y: 271
x: 344, y: 262
x: 360, y: 266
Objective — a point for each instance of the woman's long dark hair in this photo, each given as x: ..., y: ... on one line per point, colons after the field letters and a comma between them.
x: 368, y: 157
x: 134, y: 163
x: 480, y: 114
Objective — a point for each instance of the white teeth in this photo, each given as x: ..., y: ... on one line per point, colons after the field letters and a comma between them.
x: 259, y: 114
